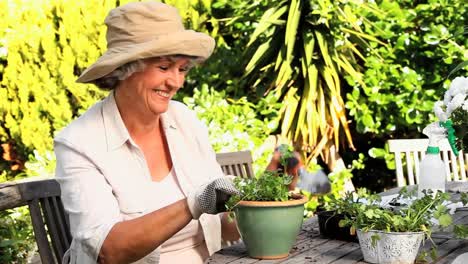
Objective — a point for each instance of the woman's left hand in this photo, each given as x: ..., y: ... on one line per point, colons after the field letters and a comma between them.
x: 292, y: 167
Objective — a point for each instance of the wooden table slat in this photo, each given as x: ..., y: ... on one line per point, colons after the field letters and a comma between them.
x: 353, y: 257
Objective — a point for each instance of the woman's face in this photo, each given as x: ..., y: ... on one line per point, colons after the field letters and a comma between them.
x: 151, y: 89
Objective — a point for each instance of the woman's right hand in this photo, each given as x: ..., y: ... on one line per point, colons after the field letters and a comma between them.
x: 211, y: 198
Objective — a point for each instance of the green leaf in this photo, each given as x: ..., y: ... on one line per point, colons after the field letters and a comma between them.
x: 377, y: 152
x: 259, y: 53
x: 457, y: 68
x: 368, y: 121
x: 291, y: 33
x: 270, y: 16
x: 445, y: 220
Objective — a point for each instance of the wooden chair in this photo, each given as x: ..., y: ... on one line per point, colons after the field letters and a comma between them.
x: 414, y: 150
x: 236, y: 163
x: 50, y: 222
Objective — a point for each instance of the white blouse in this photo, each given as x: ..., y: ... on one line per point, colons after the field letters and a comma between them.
x: 105, y: 179
x: 187, y: 245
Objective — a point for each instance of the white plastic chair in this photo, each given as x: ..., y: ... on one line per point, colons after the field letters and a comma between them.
x: 414, y: 150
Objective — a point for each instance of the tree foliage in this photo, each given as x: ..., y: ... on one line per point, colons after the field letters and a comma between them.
x: 44, y: 51
x: 235, y: 125
x: 44, y: 46
x: 424, y: 40
x: 16, y: 235
x: 300, y: 51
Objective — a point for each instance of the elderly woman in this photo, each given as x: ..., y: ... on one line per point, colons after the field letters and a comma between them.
x: 139, y: 179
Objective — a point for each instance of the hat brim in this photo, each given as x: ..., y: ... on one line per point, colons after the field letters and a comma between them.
x: 187, y: 42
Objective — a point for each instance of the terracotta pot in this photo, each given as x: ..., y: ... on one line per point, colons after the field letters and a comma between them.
x: 269, y: 229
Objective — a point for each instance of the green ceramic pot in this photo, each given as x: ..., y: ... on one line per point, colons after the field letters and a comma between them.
x: 269, y: 229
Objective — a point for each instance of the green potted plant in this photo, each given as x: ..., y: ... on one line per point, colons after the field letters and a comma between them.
x: 393, y: 234
x: 333, y: 211
x: 269, y: 216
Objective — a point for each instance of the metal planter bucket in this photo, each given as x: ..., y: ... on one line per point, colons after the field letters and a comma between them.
x: 390, y: 247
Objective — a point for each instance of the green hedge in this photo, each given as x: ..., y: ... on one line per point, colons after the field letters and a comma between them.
x: 44, y: 46
x: 16, y: 236
x: 234, y: 124
x: 423, y: 42
x: 47, y: 46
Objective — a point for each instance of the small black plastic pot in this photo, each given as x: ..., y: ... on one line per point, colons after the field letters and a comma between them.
x: 329, y: 228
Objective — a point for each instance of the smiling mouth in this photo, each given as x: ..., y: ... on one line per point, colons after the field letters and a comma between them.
x: 162, y: 93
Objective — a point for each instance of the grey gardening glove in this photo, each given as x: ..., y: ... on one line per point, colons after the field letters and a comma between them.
x: 210, y: 198
x: 317, y: 183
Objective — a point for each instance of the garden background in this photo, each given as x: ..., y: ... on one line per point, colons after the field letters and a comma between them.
x: 336, y: 79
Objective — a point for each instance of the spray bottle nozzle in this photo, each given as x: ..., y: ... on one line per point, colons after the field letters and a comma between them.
x: 435, y: 133
x: 452, y: 139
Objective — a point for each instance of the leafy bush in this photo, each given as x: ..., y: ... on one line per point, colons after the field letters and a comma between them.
x: 300, y: 51
x: 16, y: 235
x: 404, y: 76
x: 40, y: 165
x: 45, y: 45
x: 235, y: 125
x: 44, y: 49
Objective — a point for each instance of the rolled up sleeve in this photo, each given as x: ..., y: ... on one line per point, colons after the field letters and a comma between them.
x: 89, y: 201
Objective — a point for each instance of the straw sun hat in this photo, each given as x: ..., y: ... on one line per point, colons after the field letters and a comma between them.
x: 144, y: 30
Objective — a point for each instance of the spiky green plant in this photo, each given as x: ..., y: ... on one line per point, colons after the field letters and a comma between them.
x: 301, y: 51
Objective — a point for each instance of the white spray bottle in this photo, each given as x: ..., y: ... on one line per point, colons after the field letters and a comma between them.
x: 432, y: 169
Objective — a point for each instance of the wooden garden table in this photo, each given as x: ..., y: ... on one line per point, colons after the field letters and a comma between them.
x: 310, y: 247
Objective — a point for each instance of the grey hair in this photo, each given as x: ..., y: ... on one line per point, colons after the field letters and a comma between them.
x: 112, y: 80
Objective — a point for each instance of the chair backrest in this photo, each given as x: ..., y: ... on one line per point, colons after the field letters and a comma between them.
x: 236, y: 163
x: 414, y: 150
x: 48, y: 217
